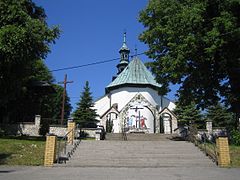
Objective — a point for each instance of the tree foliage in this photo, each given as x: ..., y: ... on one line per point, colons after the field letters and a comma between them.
x: 50, y: 103
x: 220, y: 117
x: 25, y: 40
x: 85, y: 115
x: 196, y: 44
x: 188, y: 114
x: 53, y: 105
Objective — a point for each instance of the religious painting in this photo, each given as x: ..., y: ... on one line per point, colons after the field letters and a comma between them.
x: 138, y: 119
x: 136, y: 122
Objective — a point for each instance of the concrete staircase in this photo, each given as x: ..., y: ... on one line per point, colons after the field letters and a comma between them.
x: 113, y: 137
x: 148, y: 137
x: 138, y: 154
x: 138, y: 137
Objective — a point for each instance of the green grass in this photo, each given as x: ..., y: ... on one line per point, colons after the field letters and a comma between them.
x: 234, y: 153
x: 27, y: 151
x: 235, y: 156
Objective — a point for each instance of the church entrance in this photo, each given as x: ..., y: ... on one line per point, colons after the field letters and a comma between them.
x: 112, y: 124
x: 166, y: 123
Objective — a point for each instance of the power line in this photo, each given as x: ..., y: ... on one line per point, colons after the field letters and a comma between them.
x: 90, y: 64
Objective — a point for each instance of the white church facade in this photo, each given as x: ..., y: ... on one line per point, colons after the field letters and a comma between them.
x: 132, y: 103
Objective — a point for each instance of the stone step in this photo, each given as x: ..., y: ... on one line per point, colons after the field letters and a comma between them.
x: 138, y: 137
x: 113, y: 136
x: 148, y: 137
x: 138, y: 154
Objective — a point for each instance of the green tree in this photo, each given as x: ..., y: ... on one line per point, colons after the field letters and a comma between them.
x: 25, y: 40
x: 51, y: 103
x: 220, y: 116
x: 196, y: 44
x: 188, y: 114
x: 85, y: 115
x: 37, y: 100
x: 34, y: 98
x: 51, y: 107
x: 54, y: 104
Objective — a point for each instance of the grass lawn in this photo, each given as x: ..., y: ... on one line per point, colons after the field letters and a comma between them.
x: 27, y: 151
x: 235, y: 156
x: 234, y: 153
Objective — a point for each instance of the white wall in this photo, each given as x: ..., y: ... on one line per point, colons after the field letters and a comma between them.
x: 102, y: 105
x: 123, y: 95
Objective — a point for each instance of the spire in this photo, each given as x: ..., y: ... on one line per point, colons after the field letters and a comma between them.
x: 124, y: 46
x: 135, y: 50
x: 124, y: 54
x: 124, y: 37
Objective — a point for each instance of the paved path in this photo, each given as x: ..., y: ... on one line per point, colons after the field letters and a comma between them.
x: 107, y: 173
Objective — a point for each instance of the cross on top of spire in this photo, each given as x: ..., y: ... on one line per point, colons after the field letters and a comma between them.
x: 124, y: 46
x: 124, y: 37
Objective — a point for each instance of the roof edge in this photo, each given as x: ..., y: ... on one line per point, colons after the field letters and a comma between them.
x: 108, y: 89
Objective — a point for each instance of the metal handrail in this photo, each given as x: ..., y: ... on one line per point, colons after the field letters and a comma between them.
x: 63, y: 149
x: 203, y: 145
x: 124, y: 135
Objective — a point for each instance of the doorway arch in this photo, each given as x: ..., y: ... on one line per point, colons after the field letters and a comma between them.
x: 165, y: 123
x: 111, y: 121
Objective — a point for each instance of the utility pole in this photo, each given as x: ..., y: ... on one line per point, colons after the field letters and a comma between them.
x: 65, y: 82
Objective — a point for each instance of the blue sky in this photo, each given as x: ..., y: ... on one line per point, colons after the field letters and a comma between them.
x: 92, y: 30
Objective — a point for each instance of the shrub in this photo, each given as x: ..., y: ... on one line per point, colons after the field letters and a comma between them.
x: 83, y: 134
x: 44, y: 127
x: 235, y: 137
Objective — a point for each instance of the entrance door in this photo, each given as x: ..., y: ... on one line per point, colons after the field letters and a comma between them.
x: 112, y: 124
x: 167, y: 123
x: 167, y: 128
x: 161, y: 125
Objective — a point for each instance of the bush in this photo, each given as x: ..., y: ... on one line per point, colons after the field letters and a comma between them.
x: 235, y: 137
x: 83, y: 134
x: 44, y: 127
x: 2, y: 132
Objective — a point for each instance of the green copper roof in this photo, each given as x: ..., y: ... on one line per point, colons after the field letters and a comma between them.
x: 135, y: 74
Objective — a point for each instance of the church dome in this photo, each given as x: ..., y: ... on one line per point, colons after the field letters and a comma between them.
x: 134, y: 75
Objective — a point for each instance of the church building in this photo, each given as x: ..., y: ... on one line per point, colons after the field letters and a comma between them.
x: 131, y: 102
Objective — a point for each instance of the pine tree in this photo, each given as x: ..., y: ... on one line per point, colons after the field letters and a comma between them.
x: 85, y: 115
x: 220, y: 116
x: 188, y: 114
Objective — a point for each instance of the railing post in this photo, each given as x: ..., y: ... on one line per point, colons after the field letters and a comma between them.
x: 223, y: 152
x: 71, y: 131
x: 50, y: 150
